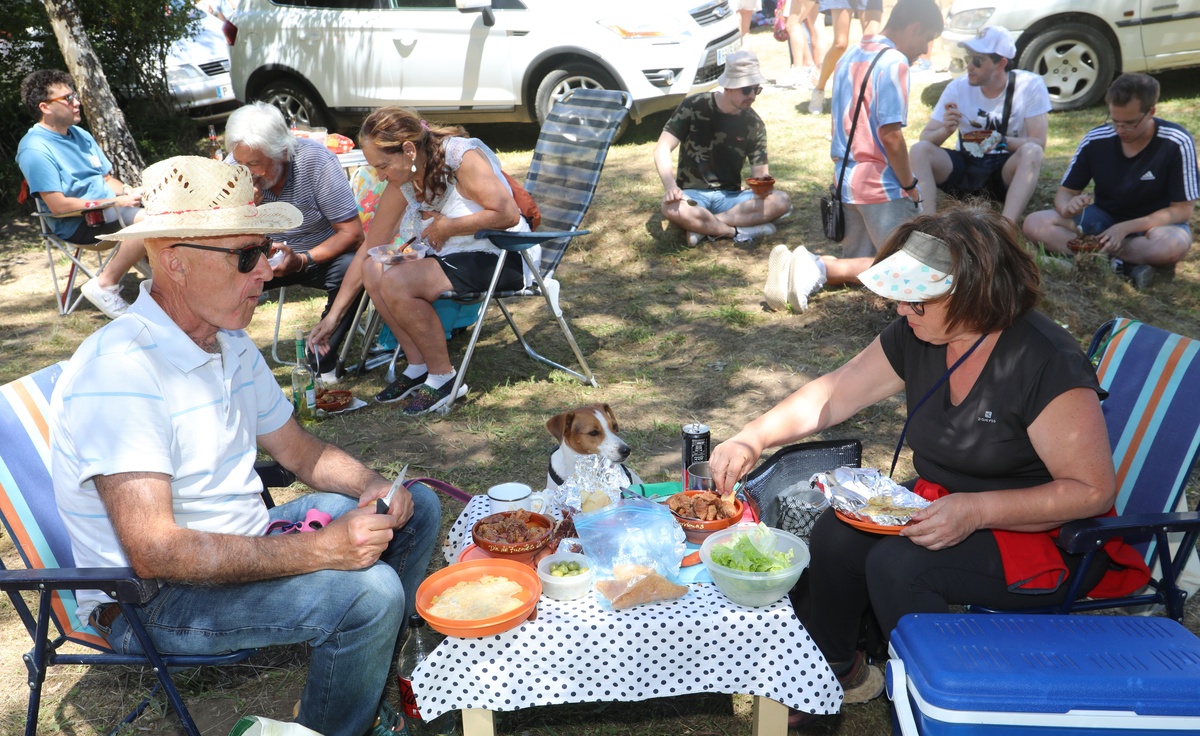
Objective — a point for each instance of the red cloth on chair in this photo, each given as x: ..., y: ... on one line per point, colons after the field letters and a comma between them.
x: 1034, y: 564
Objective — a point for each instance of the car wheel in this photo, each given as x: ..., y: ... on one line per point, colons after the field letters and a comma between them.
x: 296, y: 102
x: 558, y: 83
x: 1076, y: 61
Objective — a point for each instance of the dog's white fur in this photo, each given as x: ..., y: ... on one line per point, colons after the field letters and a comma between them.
x: 588, y: 430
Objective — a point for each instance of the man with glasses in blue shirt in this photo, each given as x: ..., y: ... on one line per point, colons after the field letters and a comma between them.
x: 1146, y: 184
x: 66, y: 169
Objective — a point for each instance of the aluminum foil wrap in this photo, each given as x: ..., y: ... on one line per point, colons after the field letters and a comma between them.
x: 868, y: 495
x: 595, y: 483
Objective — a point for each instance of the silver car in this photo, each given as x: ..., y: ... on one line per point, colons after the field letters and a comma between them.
x: 198, y: 73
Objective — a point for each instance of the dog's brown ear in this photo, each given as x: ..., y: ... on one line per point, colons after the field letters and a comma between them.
x: 612, y: 418
x: 557, y: 424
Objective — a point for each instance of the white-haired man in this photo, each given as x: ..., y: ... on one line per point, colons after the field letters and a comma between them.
x: 157, y: 421
x: 991, y: 96
x: 303, y: 173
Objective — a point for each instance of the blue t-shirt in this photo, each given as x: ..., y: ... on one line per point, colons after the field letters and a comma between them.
x: 72, y: 164
x: 317, y: 186
x: 1131, y: 187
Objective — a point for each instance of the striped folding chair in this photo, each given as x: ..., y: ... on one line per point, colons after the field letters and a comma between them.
x: 1153, y: 417
x: 30, y: 517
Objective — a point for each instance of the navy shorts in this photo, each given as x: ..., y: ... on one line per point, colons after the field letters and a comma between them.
x: 975, y: 174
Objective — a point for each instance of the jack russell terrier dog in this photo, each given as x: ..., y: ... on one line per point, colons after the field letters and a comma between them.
x: 588, y: 430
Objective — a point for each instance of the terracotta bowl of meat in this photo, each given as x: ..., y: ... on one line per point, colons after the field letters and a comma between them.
x: 701, y: 513
x: 1085, y: 244
x: 333, y: 400
x: 976, y: 136
x: 761, y: 185
x: 515, y: 535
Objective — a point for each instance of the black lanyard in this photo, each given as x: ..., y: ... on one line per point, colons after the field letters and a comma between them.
x: 929, y: 393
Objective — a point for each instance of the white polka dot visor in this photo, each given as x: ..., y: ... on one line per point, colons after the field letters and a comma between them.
x: 918, y: 272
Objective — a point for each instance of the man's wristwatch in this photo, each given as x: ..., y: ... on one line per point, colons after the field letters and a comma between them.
x: 912, y: 186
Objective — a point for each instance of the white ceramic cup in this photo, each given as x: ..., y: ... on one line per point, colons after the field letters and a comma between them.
x: 510, y: 497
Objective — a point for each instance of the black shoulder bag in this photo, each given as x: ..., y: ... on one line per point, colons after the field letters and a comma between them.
x: 832, y: 218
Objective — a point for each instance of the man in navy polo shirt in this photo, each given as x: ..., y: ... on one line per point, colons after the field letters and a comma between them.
x: 305, y: 174
x: 1146, y: 185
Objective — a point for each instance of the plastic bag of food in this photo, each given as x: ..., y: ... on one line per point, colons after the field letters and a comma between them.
x: 636, y: 547
x: 595, y: 483
x: 868, y: 495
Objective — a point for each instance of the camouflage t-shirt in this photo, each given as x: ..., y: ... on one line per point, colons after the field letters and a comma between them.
x: 713, y: 145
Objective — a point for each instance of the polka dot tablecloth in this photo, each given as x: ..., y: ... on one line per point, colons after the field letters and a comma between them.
x: 578, y: 651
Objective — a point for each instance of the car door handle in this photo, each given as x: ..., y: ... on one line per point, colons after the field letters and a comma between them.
x: 1159, y: 8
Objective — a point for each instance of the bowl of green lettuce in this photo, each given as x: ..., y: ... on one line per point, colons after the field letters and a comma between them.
x: 754, y: 564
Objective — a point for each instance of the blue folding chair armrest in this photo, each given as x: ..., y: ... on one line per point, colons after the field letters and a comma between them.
x: 1077, y: 537
x: 511, y: 241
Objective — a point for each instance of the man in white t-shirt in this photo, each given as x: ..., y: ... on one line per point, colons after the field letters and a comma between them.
x: 989, y: 97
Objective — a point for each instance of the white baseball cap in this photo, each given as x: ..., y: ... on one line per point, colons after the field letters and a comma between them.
x: 992, y: 40
x: 918, y: 272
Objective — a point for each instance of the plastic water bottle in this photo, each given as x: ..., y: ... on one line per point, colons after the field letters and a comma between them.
x: 419, y: 643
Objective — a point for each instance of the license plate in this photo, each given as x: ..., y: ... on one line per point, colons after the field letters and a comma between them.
x: 225, y: 90
x: 722, y: 53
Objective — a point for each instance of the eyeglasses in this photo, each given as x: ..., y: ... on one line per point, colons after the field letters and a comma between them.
x: 755, y: 90
x: 1128, y: 126
x: 70, y: 98
x: 247, y: 257
x: 918, y: 308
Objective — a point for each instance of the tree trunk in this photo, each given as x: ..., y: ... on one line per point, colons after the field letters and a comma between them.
x: 105, y: 118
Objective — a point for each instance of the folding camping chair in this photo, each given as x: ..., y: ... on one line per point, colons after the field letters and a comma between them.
x: 30, y: 517
x: 1153, y: 417
x: 67, y: 296
x: 567, y: 161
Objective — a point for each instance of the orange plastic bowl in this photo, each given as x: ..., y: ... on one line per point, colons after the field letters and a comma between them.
x: 437, y: 583
x: 516, y: 550
x: 697, y: 531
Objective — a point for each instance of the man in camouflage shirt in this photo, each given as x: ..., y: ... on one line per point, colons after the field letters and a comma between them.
x: 719, y: 132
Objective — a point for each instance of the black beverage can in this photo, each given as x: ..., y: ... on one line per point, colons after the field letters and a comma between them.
x: 696, y: 440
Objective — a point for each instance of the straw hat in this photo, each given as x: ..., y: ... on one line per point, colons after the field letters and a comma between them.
x: 197, y: 197
x: 741, y: 70
x: 918, y: 272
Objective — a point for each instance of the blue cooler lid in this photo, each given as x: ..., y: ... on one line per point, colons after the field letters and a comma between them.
x: 1051, y: 664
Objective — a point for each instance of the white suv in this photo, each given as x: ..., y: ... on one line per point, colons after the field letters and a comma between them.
x: 1078, y: 46
x: 330, y: 62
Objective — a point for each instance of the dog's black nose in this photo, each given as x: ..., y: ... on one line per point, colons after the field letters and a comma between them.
x: 623, y: 451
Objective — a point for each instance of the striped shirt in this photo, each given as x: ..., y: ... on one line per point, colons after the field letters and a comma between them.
x: 317, y: 186
x: 869, y: 176
x: 140, y: 396
x: 1131, y: 187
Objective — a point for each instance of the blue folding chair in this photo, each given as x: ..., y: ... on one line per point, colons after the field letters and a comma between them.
x: 1153, y: 417
x: 30, y: 516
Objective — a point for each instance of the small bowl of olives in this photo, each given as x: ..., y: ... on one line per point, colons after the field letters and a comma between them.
x: 565, y: 575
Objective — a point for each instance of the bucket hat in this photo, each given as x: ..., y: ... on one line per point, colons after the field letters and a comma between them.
x: 741, y: 70
x: 918, y: 272
x: 992, y: 40
x: 197, y: 197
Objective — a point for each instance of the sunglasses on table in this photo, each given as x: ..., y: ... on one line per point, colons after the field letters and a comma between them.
x: 754, y: 90
x: 70, y: 98
x: 247, y: 257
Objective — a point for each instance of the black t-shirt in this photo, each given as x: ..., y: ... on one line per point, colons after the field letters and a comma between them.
x: 1128, y: 188
x: 714, y: 145
x: 983, y: 443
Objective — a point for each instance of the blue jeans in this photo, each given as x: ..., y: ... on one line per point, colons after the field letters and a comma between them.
x: 717, y: 201
x: 1094, y: 221
x: 350, y: 619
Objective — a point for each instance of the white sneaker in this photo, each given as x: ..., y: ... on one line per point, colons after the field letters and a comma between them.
x: 694, y: 239
x: 779, y: 271
x: 746, y: 233
x: 816, y: 105
x: 107, y: 300
x: 808, y: 275
x: 330, y: 378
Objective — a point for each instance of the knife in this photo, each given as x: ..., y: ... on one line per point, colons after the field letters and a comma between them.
x: 382, y: 505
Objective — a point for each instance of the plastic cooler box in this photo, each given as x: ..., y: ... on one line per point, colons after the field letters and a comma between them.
x: 987, y: 675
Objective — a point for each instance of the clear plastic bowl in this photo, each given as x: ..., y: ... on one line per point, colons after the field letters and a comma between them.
x: 568, y: 587
x: 755, y: 589
x: 388, y: 255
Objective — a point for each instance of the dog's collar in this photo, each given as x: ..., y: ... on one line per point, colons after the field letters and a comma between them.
x: 559, y: 480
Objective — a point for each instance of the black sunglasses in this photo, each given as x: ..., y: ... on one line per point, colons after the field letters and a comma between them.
x: 247, y: 257
x: 918, y: 308
x: 754, y: 90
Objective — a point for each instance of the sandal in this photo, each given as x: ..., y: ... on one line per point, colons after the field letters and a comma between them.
x: 400, y: 388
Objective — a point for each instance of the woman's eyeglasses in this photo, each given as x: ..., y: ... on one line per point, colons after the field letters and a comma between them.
x: 755, y: 90
x: 918, y: 308
x: 247, y: 257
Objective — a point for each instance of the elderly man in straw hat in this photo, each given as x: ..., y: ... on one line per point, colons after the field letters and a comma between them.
x: 158, y: 419
x: 719, y: 131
